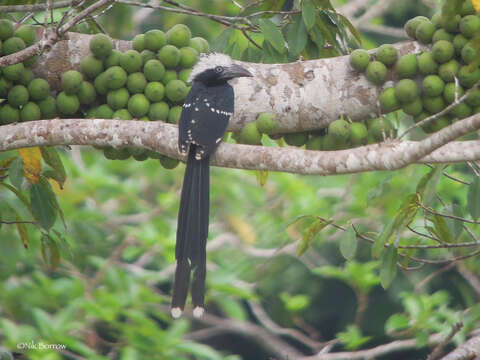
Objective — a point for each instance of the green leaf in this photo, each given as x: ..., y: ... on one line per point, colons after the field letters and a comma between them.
x: 473, y: 202
x: 455, y: 226
x: 272, y: 56
x: 441, y: 228
x: 232, y: 308
x: 296, y: 302
x: 352, y: 338
x: 272, y: 34
x: 351, y: 28
x: 428, y: 184
x: 22, y: 231
x: 198, y: 350
x: 297, y: 36
x: 348, y: 244
x: 317, y: 37
x: 221, y: 42
x: 50, y: 253
x: 308, y: 14
x: 262, y: 177
x: 309, y: 234
x: 388, y: 269
x: 43, y: 208
x: 15, y: 173
x: 252, y: 54
x: 396, y: 322
x: 51, y: 157
x: 382, y: 239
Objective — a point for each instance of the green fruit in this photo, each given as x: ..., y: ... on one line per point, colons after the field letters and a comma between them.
x: 441, y: 34
x: 376, y: 72
x: 6, y: 29
x: 461, y: 111
x: 113, y: 59
x: 315, y: 143
x: 468, y: 76
x: 426, y: 64
x: 169, y: 55
x: 30, y: 61
x: 116, y: 77
x: 67, y: 104
x: 138, y: 105
x: 296, y: 139
x: 442, y: 51
x: 141, y: 156
x: 122, y: 114
x: 30, y: 112
x: 188, y: 57
x: 147, y: 55
x: 421, y: 117
x: 131, y: 61
x: 12, y: 45
x: 412, y: 24
x: 8, y: 114
x: 176, y: 90
x: 18, y: 96
x: 5, y: 85
x: 154, y: 91
x: 199, y: 44
x: 339, y: 129
x: 174, y: 114
x: 136, y: 83
x: 436, y: 125
x: 168, y: 163
x: 406, y: 91
x: 184, y: 75
x: 250, y: 134
x: 470, y: 25
x: 118, y: 99
x: 101, y: 84
x: 451, y: 92
x: 414, y: 108
x: 388, y: 100
x: 334, y: 143
x: 26, y: 33
x: 459, y: 42
x: 470, y: 53
x: 138, y: 42
x: 13, y: 72
x: 169, y: 76
x: 86, y: 94
x: 154, y: 40
x: 437, y: 19
x: 359, y: 59
x: 407, y: 66
x: 154, y: 70
x: 467, y: 8
x: 158, y: 111
x: 266, y: 123
x: 358, y: 134
x: 377, y: 127
x: 48, y: 107
x: 39, y: 89
x: 91, y: 67
x: 104, y: 112
x: 473, y: 99
x: 433, y: 104
x: 71, y: 82
x: 387, y: 54
x: 448, y: 70
x: 424, y: 32
x: 450, y: 23
x: 26, y: 77
x: 179, y: 35
x: 101, y: 46
x: 432, y: 85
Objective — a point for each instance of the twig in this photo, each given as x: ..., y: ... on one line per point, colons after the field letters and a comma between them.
x: 35, y: 7
x: 439, y: 348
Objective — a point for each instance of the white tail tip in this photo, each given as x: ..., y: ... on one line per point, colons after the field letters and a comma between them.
x: 198, y: 311
x: 176, y: 312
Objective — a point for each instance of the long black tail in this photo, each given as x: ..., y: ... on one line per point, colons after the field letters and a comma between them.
x: 192, y: 233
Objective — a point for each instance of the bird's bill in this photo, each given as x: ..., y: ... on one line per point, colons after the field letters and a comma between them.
x: 234, y: 71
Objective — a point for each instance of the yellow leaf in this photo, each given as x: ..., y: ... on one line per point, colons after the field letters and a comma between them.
x: 32, y: 165
x: 476, y: 5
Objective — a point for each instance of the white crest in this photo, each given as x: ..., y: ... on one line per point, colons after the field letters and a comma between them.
x: 209, y: 61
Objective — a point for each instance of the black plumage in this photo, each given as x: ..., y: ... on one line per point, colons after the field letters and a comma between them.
x: 204, y: 119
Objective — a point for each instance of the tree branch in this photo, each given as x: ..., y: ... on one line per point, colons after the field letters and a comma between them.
x: 467, y: 351
x: 36, y: 7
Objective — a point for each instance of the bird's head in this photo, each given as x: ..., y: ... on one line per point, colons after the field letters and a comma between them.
x: 216, y: 68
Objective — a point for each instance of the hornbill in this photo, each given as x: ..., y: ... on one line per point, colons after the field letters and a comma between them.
x: 202, y: 124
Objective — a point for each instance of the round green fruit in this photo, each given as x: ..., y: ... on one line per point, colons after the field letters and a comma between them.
x: 459, y: 42
x: 470, y: 53
x: 104, y: 112
x: 473, y: 99
x: 169, y: 55
x: 176, y: 91
x: 315, y: 143
x: 296, y: 139
x: 168, y: 163
x: 101, y: 46
x: 48, y: 107
x: 441, y: 34
x: 447, y: 71
x: 432, y: 85
x: 147, y: 55
x: 199, y: 44
x: 39, y: 89
x: 158, y: 111
x: 468, y: 76
x: 9, y: 114
x: 461, y: 111
x: 26, y: 77
x: 91, y: 67
x: 155, y: 39
x: 12, y: 45
x: 470, y: 25
x: 71, y: 82
x: 5, y: 85
x: 452, y: 92
x: 433, y: 104
x: 358, y: 134
x: 30, y: 112
x: 407, y: 66
x: 138, y: 42
x: 378, y: 126
x: 116, y: 77
x: 443, y: 51
x: 174, y: 114
x: 118, y: 98
x: 18, y: 96
x: 450, y: 23
x: 154, y: 70
x: 412, y: 24
x: 250, y: 134
x: 266, y: 123
x: 426, y: 64
x: 406, y: 91
x: 184, y: 75
x: 113, y: 59
x: 436, y: 125
x: 359, y: 59
x: 6, y: 29
x: 13, y: 72
x: 86, y: 94
x: 467, y: 8
x: 101, y: 84
x: 387, y: 54
x: 388, y: 100
x: 169, y: 76
x: 136, y: 83
x: 67, y: 104
x: 138, y: 105
x: 26, y: 33
x: 131, y: 61
x: 424, y: 32
x: 376, y: 72
x: 179, y: 35
x: 188, y: 57
x: 413, y: 108
x: 154, y: 91
x: 334, y: 143
x: 339, y: 129
x: 122, y: 114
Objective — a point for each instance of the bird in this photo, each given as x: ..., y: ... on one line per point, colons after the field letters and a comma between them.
x: 203, y: 121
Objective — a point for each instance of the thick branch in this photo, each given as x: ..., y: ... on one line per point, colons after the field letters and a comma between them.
x: 468, y: 350
x: 36, y: 7
x: 162, y: 137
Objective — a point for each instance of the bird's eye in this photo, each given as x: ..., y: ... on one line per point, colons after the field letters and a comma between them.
x: 218, y: 69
